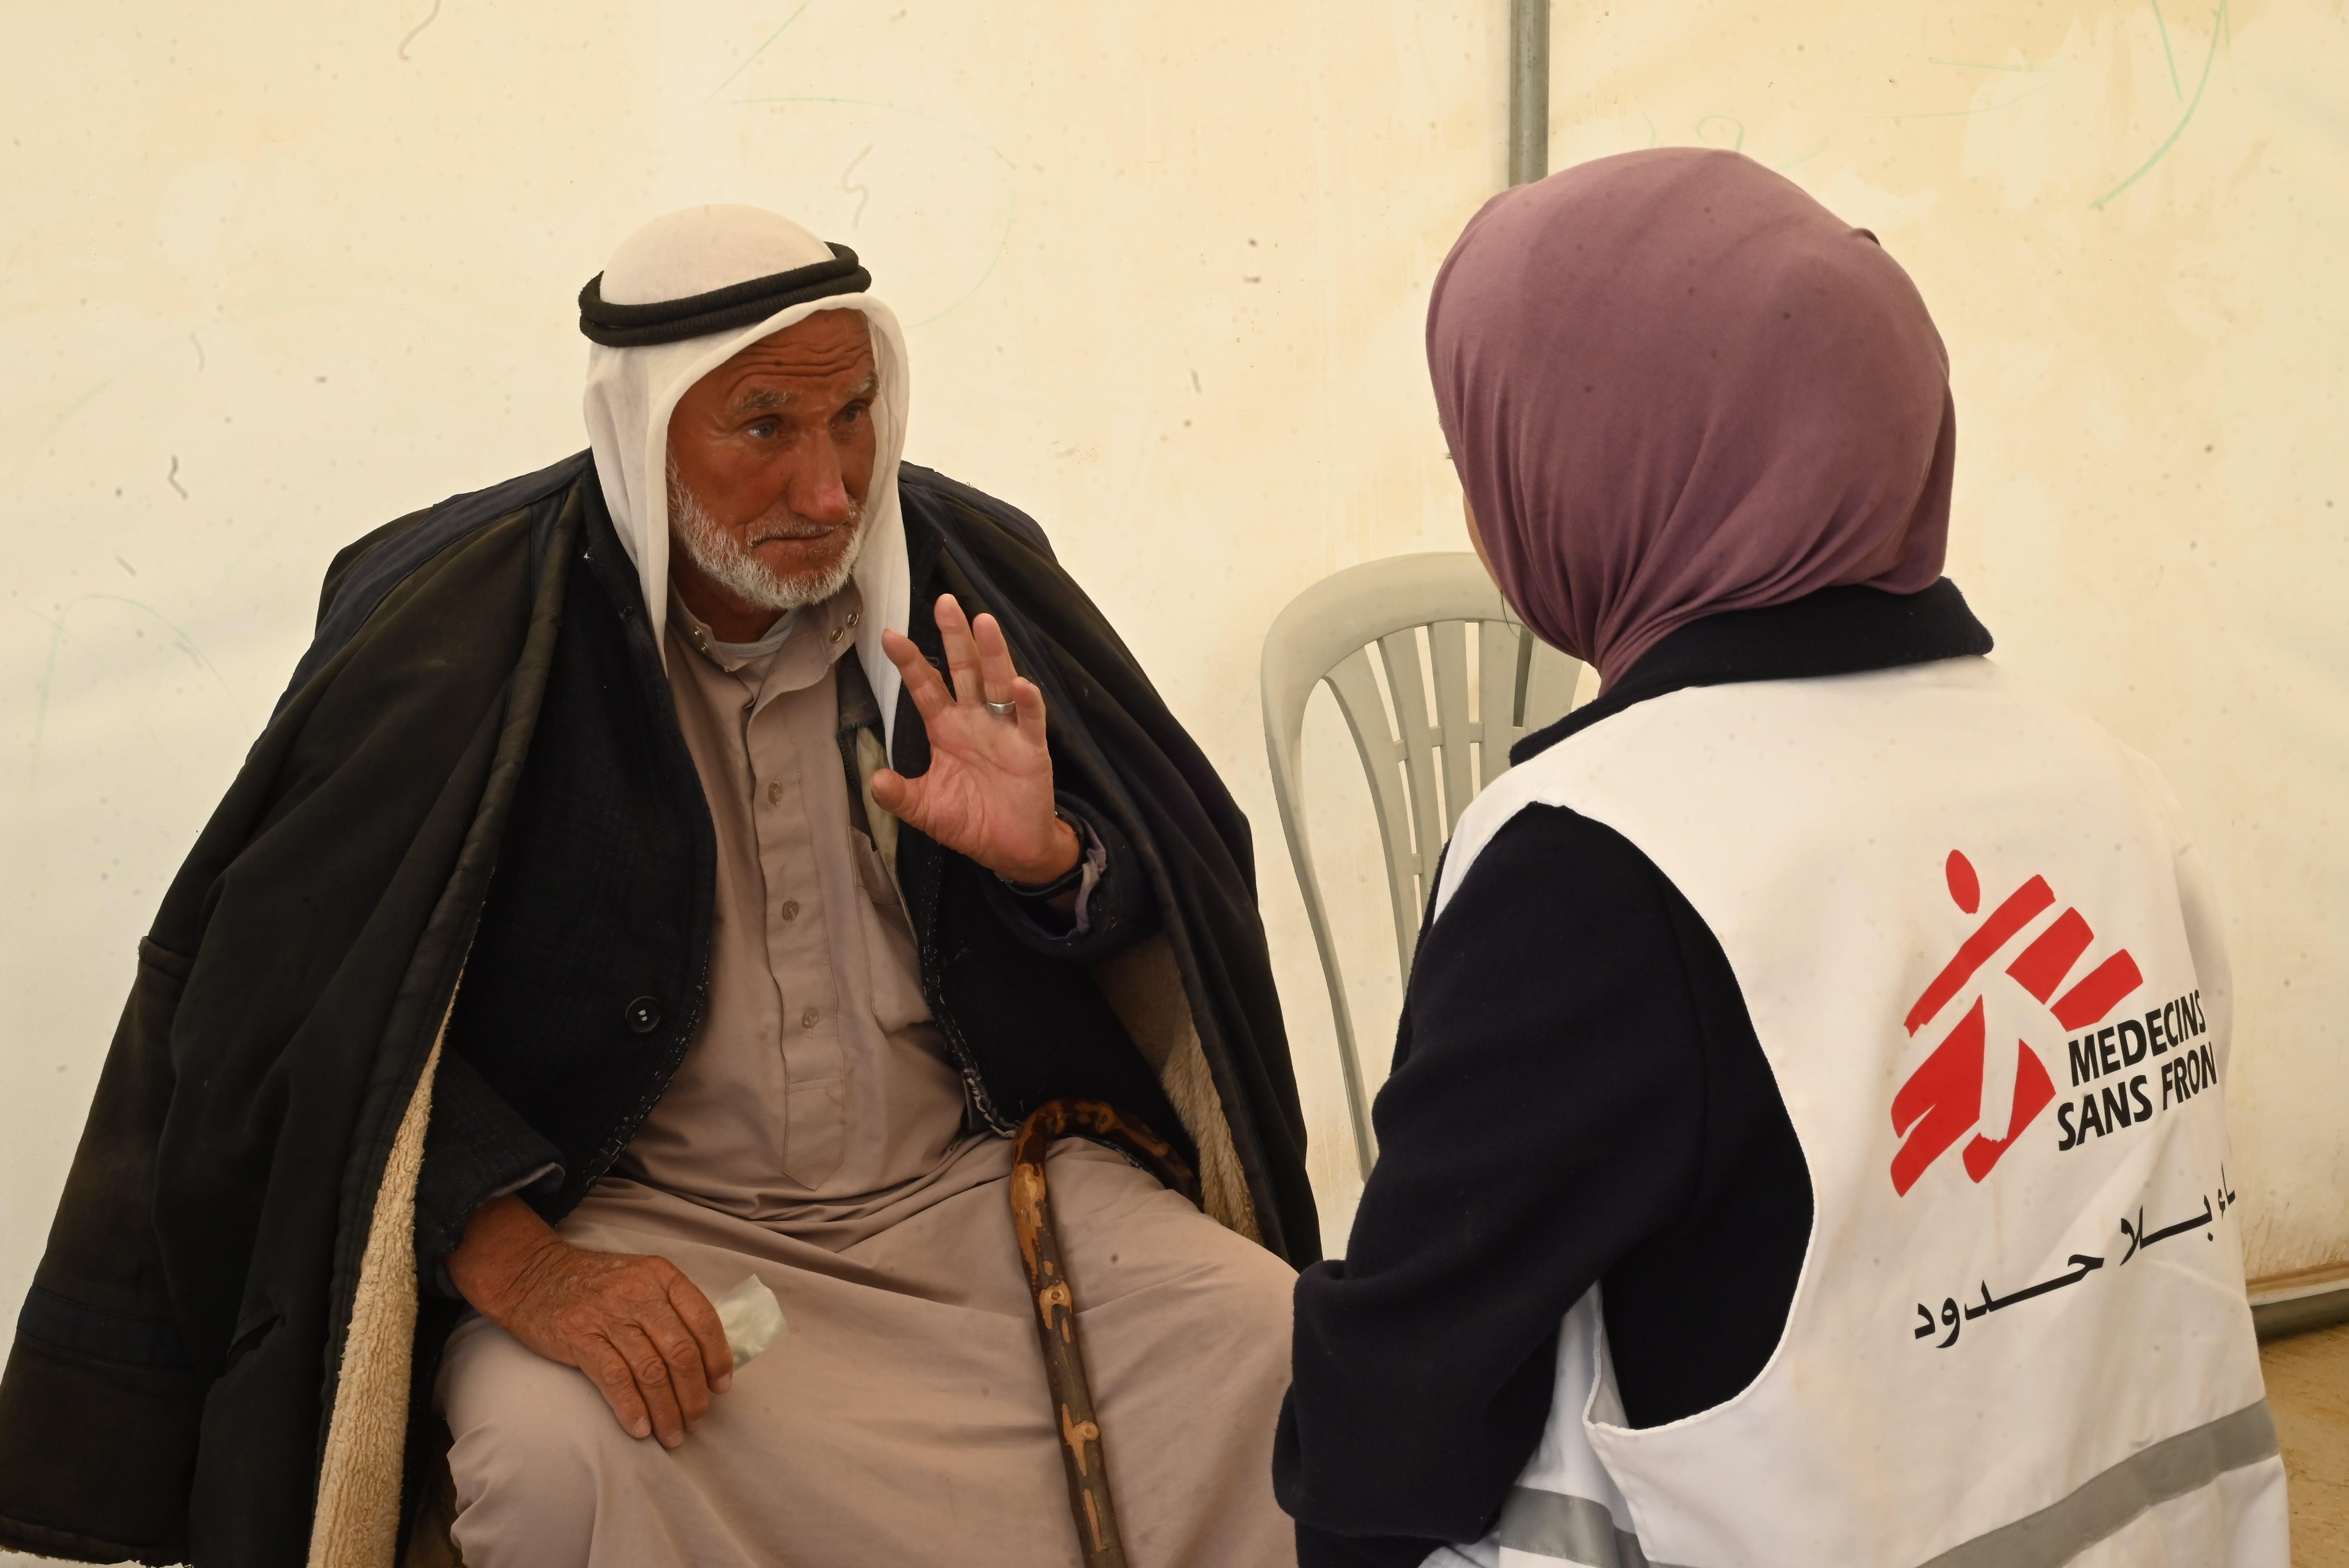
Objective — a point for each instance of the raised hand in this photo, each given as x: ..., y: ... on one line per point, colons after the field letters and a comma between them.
x: 642, y: 1332
x: 988, y: 791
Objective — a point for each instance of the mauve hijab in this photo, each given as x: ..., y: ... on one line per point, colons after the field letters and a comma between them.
x: 1676, y: 384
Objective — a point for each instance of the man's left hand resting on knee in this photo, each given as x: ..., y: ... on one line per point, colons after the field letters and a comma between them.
x: 642, y: 1332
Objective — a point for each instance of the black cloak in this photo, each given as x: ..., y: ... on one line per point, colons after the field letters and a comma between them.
x: 483, y: 696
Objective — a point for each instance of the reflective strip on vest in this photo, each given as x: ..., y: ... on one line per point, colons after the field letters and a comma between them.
x: 2171, y: 1468
x: 1570, y: 1529
x: 1576, y: 1530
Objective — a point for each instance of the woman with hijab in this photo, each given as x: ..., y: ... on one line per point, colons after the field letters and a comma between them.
x: 1805, y: 1145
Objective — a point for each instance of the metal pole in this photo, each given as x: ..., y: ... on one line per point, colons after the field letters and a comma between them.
x: 1528, y: 90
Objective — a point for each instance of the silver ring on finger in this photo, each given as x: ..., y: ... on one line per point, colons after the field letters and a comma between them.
x: 1009, y: 711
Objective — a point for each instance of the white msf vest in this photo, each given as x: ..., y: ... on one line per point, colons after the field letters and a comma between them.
x: 1982, y: 959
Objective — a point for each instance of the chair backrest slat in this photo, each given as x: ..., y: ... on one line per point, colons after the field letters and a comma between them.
x: 1384, y: 763
x: 1502, y: 650
x: 1423, y: 764
x: 1549, y: 689
x: 1415, y: 726
x: 1456, y: 724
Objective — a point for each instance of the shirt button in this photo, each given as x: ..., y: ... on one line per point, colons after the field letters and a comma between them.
x: 790, y: 909
x: 642, y: 1016
x: 836, y: 632
x: 854, y: 616
x: 807, y: 1019
x: 774, y: 794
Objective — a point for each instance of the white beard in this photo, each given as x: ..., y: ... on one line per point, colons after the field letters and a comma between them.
x: 729, y: 563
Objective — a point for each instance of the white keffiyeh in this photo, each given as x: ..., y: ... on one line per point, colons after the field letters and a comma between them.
x: 631, y: 393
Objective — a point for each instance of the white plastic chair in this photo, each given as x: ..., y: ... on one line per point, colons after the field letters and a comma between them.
x: 1437, y: 731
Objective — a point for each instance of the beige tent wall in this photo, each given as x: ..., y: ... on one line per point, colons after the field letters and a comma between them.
x: 275, y: 274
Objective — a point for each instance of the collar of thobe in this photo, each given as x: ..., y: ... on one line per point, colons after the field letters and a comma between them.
x: 728, y: 656
x: 733, y: 276
x: 829, y: 624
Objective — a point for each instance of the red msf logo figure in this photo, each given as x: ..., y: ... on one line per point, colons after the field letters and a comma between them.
x: 1941, y: 1101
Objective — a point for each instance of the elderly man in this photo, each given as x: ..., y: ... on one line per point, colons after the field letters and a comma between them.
x: 658, y: 876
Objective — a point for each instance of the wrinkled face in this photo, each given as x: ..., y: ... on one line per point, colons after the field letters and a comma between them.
x: 770, y: 458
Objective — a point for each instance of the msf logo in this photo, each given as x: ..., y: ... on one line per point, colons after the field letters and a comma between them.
x: 1942, y: 1101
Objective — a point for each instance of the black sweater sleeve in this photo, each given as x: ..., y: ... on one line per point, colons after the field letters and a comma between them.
x: 1577, y: 1096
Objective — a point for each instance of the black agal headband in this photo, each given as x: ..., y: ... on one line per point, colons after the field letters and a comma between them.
x: 736, y: 304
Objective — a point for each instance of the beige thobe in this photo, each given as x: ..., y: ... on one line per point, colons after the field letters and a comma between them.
x: 815, y: 1136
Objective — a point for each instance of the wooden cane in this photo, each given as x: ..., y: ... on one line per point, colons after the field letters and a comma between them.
x: 1056, y: 1306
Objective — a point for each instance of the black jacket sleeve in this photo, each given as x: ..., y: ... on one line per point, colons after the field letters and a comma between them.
x: 1121, y: 909
x: 475, y: 1147
x: 1578, y: 1095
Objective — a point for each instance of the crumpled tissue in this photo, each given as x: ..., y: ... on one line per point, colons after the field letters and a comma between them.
x: 751, y: 1317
